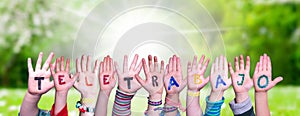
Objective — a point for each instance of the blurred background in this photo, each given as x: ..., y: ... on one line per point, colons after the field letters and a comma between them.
x: 250, y: 27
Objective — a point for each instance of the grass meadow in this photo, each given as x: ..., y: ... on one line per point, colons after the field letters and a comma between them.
x: 283, y: 101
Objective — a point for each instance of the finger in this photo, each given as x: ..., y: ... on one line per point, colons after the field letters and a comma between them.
x: 140, y: 80
x: 101, y: 67
x: 39, y: 62
x: 167, y: 70
x: 257, y: 68
x: 269, y: 64
x: 242, y: 62
x: 201, y: 61
x: 264, y: 65
x: 183, y: 84
x: 52, y: 68
x: 221, y: 61
x: 236, y: 64
x: 68, y: 65
x: 225, y: 65
x: 88, y: 67
x: 189, y: 67
x: 117, y: 68
x: 78, y: 68
x: 174, y: 63
x: 139, y: 68
x: 194, y: 62
x: 162, y: 66
x: 216, y: 65
x: 155, y: 64
x: 133, y: 64
x: 109, y: 63
x: 57, y: 64
x: 261, y: 63
x: 125, y: 64
x: 29, y: 65
x: 106, y: 64
x: 83, y: 66
x: 145, y: 67
x: 74, y: 78
x: 205, y: 65
x: 275, y: 81
x: 96, y: 66
x: 206, y: 80
x: 62, y: 63
x: 231, y: 70
x: 170, y: 69
x: 150, y: 63
x: 212, y: 69
x: 248, y: 63
x: 50, y: 85
x: 48, y: 61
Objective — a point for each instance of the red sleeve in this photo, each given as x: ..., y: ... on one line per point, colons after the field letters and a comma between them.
x: 63, y: 112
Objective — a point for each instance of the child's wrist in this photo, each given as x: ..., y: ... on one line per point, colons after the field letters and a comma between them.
x: 155, y: 97
x: 33, y: 96
x: 241, y: 97
x: 216, y: 96
x: 173, y: 97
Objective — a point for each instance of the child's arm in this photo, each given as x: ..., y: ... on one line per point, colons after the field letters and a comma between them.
x: 196, y: 82
x: 127, y: 86
x: 87, y: 85
x: 219, y: 83
x: 38, y: 84
x: 242, y: 83
x: 153, y: 84
x: 63, y: 81
x: 107, y: 83
x: 174, y: 84
x: 263, y: 82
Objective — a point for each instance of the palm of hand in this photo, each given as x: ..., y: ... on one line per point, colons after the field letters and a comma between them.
x: 107, y: 81
x: 194, y: 84
x: 46, y: 84
x: 86, y: 83
x: 62, y: 81
x: 153, y: 87
x: 128, y: 83
x: 173, y: 89
x: 241, y: 81
x: 264, y: 83
x: 219, y: 81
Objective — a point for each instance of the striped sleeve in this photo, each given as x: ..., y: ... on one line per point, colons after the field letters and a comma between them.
x: 213, y: 108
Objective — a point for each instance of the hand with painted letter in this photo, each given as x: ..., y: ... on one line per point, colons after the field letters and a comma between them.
x: 86, y: 83
x: 195, y: 74
x: 240, y: 78
x: 173, y: 79
x: 154, y: 76
x: 106, y: 75
x: 126, y: 78
x: 219, y: 78
x: 262, y: 79
x: 39, y: 83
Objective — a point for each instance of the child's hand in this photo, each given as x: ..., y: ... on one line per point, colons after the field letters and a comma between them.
x: 173, y: 79
x: 127, y: 81
x: 87, y: 80
x: 241, y: 80
x: 154, y: 77
x: 39, y: 79
x: 219, y: 78
x: 263, y: 75
x: 195, y: 71
x: 106, y: 75
x: 63, y: 81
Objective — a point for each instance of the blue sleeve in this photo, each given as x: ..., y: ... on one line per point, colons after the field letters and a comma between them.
x: 213, y: 108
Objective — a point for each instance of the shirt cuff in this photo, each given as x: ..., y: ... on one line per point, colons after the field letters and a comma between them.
x: 240, y: 108
x: 213, y: 108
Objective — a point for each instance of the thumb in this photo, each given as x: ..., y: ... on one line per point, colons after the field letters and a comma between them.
x: 275, y: 81
x: 140, y: 80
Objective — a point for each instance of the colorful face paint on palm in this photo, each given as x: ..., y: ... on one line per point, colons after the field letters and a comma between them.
x: 39, y: 79
x: 154, y: 81
x: 61, y: 80
x: 172, y: 82
x: 197, y: 79
x: 220, y: 80
x: 128, y: 79
x: 87, y: 83
x: 259, y: 79
x: 241, y: 82
x: 105, y: 79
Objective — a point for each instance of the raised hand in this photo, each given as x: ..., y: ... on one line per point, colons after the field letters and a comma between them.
x: 126, y: 79
x: 262, y: 77
x: 39, y: 79
x: 173, y: 79
x: 106, y: 75
x: 219, y: 78
x: 154, y: 76
x: 240, y: 78
x: 86, y: 83
x: 195, y: 72
x: 63, y: 81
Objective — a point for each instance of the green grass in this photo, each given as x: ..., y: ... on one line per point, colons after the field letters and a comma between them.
x: 283, y: 101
